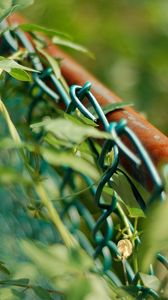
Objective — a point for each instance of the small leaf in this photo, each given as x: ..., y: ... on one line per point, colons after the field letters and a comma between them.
x: 37, y: 28
x: 126, y: 189
x: 135, y: 212
x: 114, y: 106
x: 79, y: 118
x: 66, y: 43
x: 20, y: 74
x: 125, y: 248
x: 7, y: 64
x: 110, y: 107
x: 15, y: 69
x: 52, y: 61
x: 68, y: 130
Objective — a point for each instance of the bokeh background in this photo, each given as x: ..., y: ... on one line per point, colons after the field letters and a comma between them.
x: 130, y: 42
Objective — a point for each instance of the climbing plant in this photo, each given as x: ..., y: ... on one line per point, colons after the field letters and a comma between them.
x: 74, y: 224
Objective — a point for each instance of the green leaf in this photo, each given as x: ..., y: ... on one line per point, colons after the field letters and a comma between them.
x: 135, y: 212
x: 114, y: 106
x: 124, y: 190
x: 14, y: 69
x: 150, y: 281
x: 20, y: 74
x: 7, y: 64
x: 37, y: 28
x: 111, y: 107
x: 57, y: 144
x: 68, y: 159
x: 66, y: 43
x: 135, y: 189
x: 67, y: 130
x: 52, y: 61
x: 8, y: 6
x: 79, y: 118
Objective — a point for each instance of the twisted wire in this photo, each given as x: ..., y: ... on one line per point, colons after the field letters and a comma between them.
x: 101, y: 244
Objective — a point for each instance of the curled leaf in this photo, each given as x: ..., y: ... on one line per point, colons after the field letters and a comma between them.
x: 125, y: 248
x: 67, y: 43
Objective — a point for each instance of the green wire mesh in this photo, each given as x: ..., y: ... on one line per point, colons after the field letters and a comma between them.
x: 97, y: 234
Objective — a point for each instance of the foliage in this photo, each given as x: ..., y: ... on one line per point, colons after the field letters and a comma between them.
x: 14, y: 69
x: 41, y: 255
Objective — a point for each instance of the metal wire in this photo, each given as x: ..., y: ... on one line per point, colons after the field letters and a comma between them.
x: 102, y: 242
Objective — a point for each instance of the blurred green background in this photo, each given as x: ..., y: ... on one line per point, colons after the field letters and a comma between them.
x: 130, y: 42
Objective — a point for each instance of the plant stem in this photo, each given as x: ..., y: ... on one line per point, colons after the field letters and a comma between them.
x: 125, y: 272
x: 68, y: 239
x: 125, y: 220
x: 135, y: 258
x: 135, y: 261
x: 130, y: 234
